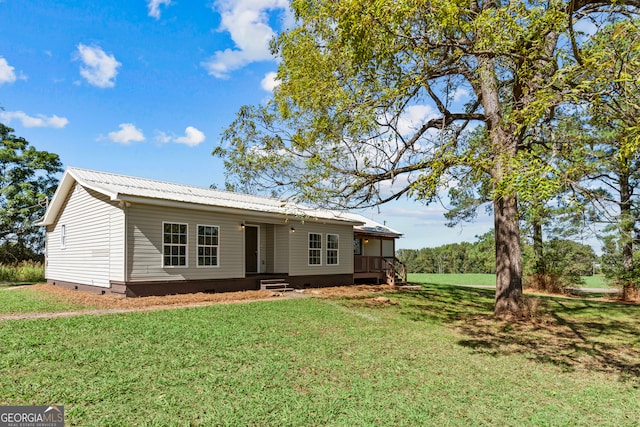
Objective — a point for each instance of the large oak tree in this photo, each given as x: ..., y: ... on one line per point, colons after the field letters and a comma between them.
x: 27, y: 178
x: 368, y: 109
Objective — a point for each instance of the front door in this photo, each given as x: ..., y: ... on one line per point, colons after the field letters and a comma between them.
x: 251, y: 249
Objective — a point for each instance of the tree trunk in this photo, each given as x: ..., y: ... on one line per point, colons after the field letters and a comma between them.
x: 626, y: 231
x: 538, y: 252
x: 504, y: 145
x: 508, y: 258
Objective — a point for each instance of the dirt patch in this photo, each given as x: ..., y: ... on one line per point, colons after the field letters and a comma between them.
x: 118, y: 302
x: 355, y: 291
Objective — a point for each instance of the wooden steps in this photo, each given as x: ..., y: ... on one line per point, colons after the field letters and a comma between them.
x: 276, y: 285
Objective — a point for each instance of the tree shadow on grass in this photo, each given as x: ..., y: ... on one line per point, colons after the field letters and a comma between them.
x: 574, y: 334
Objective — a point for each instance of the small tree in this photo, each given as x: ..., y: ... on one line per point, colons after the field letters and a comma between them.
x: 27, y: 180
x: 605, y: 82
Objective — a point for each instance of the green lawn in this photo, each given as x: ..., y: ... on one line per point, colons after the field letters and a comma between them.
x: 597, y: 281
x: 475, y: 279
x: 434, y: 359
x: 487, y: 279
x: 27, y: 300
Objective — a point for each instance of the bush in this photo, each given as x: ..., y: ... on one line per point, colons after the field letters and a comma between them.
x: 550, y: 282
x: 25, y: 271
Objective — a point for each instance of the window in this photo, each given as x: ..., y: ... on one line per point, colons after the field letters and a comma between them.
x: 175, y: 244
x: 63, y: 236
x: 332, y: 249
x: 315, y: 249
x: 357, y: 246
x: 208, y: 238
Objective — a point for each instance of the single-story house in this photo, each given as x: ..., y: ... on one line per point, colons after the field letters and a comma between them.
x: 111, y: 233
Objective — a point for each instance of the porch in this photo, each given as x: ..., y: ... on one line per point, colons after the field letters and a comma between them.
x: 374, y: 250
x: 389, y: 270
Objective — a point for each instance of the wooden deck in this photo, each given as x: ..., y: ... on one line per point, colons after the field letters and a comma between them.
x: 388, y: 270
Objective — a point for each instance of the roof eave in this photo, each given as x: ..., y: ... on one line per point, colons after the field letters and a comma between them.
x: 65, y: 185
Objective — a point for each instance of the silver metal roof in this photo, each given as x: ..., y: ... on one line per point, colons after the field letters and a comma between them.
x: 133, y: 189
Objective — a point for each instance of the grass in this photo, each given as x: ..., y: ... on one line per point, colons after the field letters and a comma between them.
x: 475, y: 279
x: 25, y: 300
x: 24, y: 272
x: 434, y: 358
x: 595, y: 281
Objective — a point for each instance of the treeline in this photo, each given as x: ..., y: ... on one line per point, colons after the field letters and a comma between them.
x: 562, y: 257
x: 465, y: 257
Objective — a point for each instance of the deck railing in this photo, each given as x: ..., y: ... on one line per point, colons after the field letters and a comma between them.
x: 391, y: 269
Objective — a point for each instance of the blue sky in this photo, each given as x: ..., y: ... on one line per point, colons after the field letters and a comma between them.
x: 146, y: 87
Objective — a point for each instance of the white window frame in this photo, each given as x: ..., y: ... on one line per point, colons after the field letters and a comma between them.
x: 335, y: 250
x: 63, y: 236
x: 311, y: 249
x: 185, y: 245
x: 216, y: 246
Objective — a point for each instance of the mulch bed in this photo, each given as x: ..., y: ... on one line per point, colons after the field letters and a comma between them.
x: 118, y: 302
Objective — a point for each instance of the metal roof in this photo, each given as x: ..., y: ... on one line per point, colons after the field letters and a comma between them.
x: 372, y: 227
x: 142, y: 190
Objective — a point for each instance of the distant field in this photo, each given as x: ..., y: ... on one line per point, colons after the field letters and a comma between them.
x: 486, y: 279
x: 595, y: 282
x: 454, y: 279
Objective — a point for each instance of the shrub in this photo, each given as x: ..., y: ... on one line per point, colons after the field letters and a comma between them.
x: 25, y: 271
x: 549, y: 282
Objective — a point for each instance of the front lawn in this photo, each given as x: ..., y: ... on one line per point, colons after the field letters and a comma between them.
x: 428, y: 357
x: 26, y: 299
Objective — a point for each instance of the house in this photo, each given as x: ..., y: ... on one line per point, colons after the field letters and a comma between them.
x: 111, y: 233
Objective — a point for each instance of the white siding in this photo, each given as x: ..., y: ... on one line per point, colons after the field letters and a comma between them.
x: 144, y: 241
x: 117, y: 245
x: 269, y: 250
x: 87, y: 257
x: 371, y: 247
x: 388, y: 248
x: 281, y: 261
x: 299, y: 254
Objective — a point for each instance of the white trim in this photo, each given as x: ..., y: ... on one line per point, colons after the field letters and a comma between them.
x: 207, y: 246
x: 186, y: 246
x: 309, y: 249
x: 63, y: 236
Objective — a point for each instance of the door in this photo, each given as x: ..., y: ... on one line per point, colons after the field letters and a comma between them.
x: 251, y: 249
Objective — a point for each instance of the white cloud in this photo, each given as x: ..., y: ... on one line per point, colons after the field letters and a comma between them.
x: 127, y: 133
x: 191, y: 138
x: 413, y: 117
x: 162, y: 137
x: 154, y: 7
x: 100, y: 69
x: 247, y: 21
x: 7, y: 75
x: 270, y: 82
x: 460, y: 93
x: 40, y: 121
